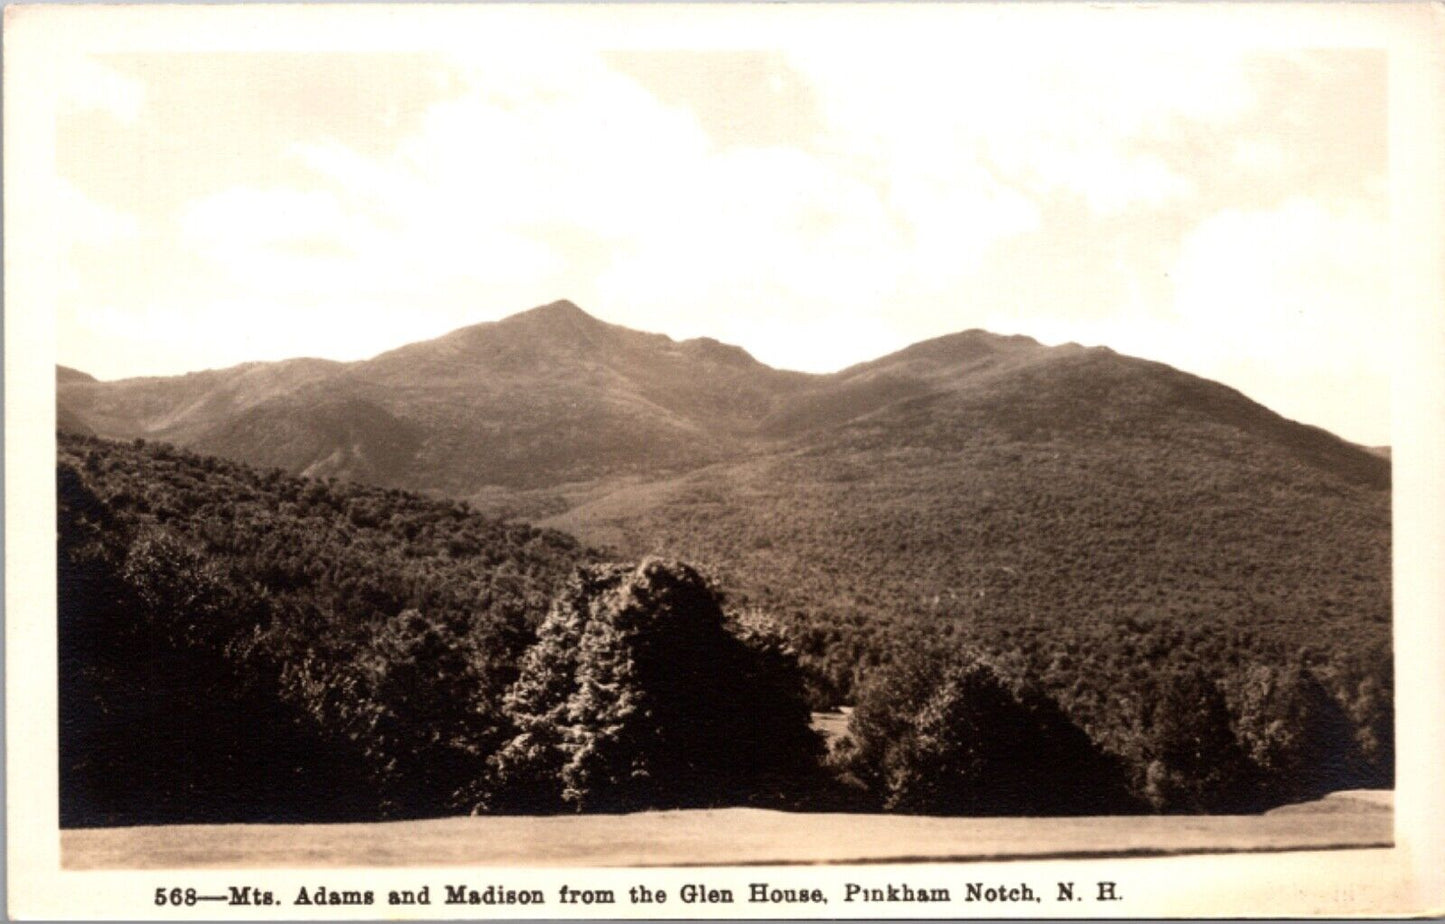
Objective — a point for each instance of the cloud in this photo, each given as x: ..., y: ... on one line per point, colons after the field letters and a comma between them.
x: 740, y: 98
x: 87, y: 222
x: 87, y: 85
x: 1258, y: 155
x: 1055, y: 121
x: 1303, y: 282
x: 86, y: 226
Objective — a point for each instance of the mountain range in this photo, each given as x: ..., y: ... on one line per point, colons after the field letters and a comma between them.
x: 965, y: 482
x: 553, y: 396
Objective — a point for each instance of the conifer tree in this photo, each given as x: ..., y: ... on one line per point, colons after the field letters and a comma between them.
x: 636, y: 695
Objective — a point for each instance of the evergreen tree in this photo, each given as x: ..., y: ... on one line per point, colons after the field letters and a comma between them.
x: 978, y: 744
x: 637, y: 695
x: 1297, y: 735
x: 1195, y: 763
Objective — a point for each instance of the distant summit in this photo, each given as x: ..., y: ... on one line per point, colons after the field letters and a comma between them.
x: 561, y: 311
x: 559, y: 319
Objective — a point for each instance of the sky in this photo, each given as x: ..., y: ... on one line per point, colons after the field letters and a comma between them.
x: 1225, y: 212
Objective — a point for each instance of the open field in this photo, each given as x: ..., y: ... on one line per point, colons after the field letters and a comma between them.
x: 753, y: 836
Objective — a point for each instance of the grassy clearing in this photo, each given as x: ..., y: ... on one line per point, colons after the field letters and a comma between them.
x: 753, y: 836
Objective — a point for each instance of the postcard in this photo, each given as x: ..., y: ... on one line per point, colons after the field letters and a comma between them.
x: 724, y: 461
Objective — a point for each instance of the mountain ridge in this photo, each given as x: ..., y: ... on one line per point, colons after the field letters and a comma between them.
x: 554, y: 395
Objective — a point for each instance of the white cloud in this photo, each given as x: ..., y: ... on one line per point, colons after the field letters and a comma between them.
x: 88, y: 85
x: 1303, y: 283
x: 87, y: 222
x: 84, y: 223
x: 1061, y: 120
x: 303, y: 261
x: 1258, y: 155
x: 256, y: 217
x: 581, y: 145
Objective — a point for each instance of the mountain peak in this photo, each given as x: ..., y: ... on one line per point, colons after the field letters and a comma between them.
x: 561, y: 310
x: 964, y: 348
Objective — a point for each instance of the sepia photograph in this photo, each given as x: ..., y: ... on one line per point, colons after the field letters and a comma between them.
x: 955, y: 461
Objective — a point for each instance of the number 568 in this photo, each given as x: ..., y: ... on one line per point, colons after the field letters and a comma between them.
x: 175, y: 896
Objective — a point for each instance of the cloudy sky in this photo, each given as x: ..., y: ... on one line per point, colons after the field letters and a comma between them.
x: 1224, y: 212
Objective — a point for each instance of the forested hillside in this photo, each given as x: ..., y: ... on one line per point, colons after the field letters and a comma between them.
x: 236, y: 644
x: 240, y: 645
x: 1101, y: 524
x: 247, y: 646
x: 1093, y: 489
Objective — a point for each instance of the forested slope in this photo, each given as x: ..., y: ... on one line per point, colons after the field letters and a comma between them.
x: 246, y: 646
x: 1099, y: 523
x: 237, y: 644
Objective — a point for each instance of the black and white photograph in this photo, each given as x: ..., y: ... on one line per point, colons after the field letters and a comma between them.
x: 787, y: 460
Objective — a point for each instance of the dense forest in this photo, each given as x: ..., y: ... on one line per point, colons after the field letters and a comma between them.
x: 1100, y: 575
x: 238, y: 644
x: 252, y: 645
